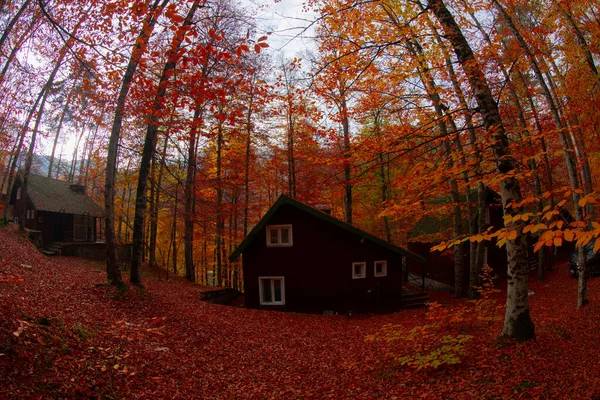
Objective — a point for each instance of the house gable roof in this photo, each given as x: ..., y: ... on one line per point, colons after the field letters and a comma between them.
x: 54, y: 195
x: 283, y: 200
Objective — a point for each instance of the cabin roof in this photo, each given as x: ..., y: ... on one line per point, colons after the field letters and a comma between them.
x: 283, y: 200
x: 54, y: 195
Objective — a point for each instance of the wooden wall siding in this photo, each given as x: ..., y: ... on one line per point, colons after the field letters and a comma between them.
x: 318, y: 268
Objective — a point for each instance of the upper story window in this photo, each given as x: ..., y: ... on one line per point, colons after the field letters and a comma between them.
x: 381, y: 268
x: 18, y: 193
x: 279, y: 236
x: 359, y: 270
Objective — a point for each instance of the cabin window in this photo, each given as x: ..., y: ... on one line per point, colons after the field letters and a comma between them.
x: 359, y: 270
x: 16, y: 220
x: 272, y: 290
x: 18, y: 193
x: 380, y: 268
x: 279, y: 236
x: 488, y: 216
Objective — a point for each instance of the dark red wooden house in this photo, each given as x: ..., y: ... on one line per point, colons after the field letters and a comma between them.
x: 61, y: 211
x: 298, y: 258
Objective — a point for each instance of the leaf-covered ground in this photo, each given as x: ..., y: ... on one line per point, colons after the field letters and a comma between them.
x: 65, y: 335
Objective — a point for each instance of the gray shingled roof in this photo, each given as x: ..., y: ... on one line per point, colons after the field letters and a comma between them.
x: 55, y: 195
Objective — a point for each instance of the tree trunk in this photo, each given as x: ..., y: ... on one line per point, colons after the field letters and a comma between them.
x: 149, y: 146
x: 112, y: 270
x: 517, y: 321
x: 570, y: 162
x: 220, y: 223
x: 190, y: 195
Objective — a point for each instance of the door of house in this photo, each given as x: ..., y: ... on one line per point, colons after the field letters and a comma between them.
x: 59, y: 226
x: 80, y: 228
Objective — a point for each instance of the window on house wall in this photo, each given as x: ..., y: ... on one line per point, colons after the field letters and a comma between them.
x: 271, y: 290
x: 16, y: 220
x: 18, y: 193
x: 380, y: 268
x: 359, y: 270
x: 279, y: 235
x: 488, y: 216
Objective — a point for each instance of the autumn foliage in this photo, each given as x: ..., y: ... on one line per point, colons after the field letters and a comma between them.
x: 64, y: 333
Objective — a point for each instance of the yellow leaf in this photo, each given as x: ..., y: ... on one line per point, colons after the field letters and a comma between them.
x: 582, y: 202
x: 597, y: 245
x: 557, y: 241
x: 527, y: 228
x: 512, y: 235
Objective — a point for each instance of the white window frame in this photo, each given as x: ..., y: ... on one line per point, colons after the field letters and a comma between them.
x: 363, y: 273
x: 279, y: 228
x: 260, y: 291
x: 19, y: 193
x: 16, y: 220
x: 383, y: 269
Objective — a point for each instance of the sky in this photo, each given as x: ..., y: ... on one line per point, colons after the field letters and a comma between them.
x: 290, y: 35
x: 289, y: 25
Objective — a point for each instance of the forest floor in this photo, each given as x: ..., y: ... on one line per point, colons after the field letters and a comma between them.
x: 63, y: 334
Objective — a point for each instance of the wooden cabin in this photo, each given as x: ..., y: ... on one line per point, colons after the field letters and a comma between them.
x: 60, y: 210
x: 298, y: 258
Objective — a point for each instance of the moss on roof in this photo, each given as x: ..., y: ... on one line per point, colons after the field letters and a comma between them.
x: 54, y: 195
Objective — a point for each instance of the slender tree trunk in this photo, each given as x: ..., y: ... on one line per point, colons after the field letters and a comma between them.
x: 348, y: 203
x: 31, y: 28
x: 12, y: 23
x: 22, y: 134
x: 220, y: 223
x: 517, y: 322
x: 190, y: 195
x: 156, y: 203
x: 112, y: 270
x: 248, y: 148
x: 150, y: 144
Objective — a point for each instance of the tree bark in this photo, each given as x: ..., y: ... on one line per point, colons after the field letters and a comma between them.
x: 150, y: 144
x: 517, y: 321
x: 570, y: 161
x: 112, y: 269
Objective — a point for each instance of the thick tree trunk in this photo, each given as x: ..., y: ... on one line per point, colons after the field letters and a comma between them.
x: 517, y: 321
x: 570, y: 161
